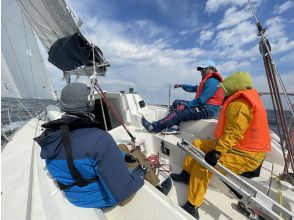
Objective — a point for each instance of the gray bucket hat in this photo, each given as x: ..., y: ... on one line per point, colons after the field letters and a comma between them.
x: 74, y: 98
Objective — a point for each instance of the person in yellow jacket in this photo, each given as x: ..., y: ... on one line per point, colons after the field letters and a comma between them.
x: 241, y: 139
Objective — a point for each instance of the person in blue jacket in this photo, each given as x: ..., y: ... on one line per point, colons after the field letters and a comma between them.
x: 208, y: 99
x: 84, y: 159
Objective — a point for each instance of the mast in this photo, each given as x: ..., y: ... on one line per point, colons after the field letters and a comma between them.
x: 273, y: 78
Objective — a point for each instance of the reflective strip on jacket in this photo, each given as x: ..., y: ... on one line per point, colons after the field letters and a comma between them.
x: 256, y: 137
x: 218, y: 97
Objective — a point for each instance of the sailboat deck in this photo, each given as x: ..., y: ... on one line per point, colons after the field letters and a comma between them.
x: 219, y: 203
x: 36, y: 196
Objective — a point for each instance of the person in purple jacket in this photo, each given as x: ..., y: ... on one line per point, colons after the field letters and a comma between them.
x: 84, y: 160
x: 208, y: 99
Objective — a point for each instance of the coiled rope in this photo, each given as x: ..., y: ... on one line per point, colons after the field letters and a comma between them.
x: 155, y: 163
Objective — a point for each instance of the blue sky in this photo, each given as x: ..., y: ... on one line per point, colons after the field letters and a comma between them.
x: 152, y: 44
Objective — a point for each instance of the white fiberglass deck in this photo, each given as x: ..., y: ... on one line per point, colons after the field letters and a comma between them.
x: 28, y: 192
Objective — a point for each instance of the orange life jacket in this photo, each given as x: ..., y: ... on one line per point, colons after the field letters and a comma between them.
x: 256, y: 137
x: 218, y: 97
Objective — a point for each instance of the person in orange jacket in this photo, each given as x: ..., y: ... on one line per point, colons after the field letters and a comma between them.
x: 242, y: 139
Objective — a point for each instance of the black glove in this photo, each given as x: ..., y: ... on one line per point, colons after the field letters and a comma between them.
x: 130, y: 158
x: 142, y: 167
x: 212, y: 157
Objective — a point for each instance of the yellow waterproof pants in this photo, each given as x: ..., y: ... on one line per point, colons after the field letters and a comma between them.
x: 200, y: 176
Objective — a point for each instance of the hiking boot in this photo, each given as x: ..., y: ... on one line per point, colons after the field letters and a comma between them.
x: 171, y: 130
x: 192, y: 210
x: 183, y: 177
x: 146, y: 124
x: 165, y: 186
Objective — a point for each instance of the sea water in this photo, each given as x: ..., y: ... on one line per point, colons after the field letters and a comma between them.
x: 16, y: 112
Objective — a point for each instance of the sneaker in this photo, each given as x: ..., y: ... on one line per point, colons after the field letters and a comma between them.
x: 171, y: 130
x: 146, y: 124
x: 183, y: 177
x: 165, y: 186
x: 192, y: 210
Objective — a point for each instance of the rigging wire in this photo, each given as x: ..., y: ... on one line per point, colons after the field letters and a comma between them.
x: 113, y: 110
x: 20, y: 102
x: 272, y: 73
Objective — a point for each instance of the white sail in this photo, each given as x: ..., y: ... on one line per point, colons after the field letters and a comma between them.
x: 23, y: 73
x: 50, y: 20
x: 8, y: 86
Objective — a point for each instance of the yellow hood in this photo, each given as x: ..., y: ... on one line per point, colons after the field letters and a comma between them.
x: 236, y: 82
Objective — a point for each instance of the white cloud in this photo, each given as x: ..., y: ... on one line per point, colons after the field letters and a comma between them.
x: 233, y: 16
x: 142, y: 56
x: 288, y: 58
x: 281, y: 45
x: 240, y: 35
x: 130, y: 49
x: 184, y: 32
x: 205, y: 36
x: 149, y: 28
x: 277, y: 35
x: 231, y: 66
x: 195, y: 30
x: 134, y: 62
x: 163, y: 5
x: 284, y: 7
x: 261, y: 84
x: 214, y: 5
x: 275, y: 27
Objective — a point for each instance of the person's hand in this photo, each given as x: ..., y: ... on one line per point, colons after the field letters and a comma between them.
x: 212, y: 157
x: 177, y: 85
x: 180, y: 107
x: 130, y: 158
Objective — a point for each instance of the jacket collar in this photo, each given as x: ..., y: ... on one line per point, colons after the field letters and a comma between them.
x: 73, y: 121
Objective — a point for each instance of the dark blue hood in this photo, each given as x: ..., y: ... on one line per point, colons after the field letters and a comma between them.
x: 50, y: 144
x: 50, y: 140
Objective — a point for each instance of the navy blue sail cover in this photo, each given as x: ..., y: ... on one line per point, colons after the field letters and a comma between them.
x: 73, y: 51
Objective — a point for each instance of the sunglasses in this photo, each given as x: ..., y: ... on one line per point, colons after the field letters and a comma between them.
x: 203, y: 70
